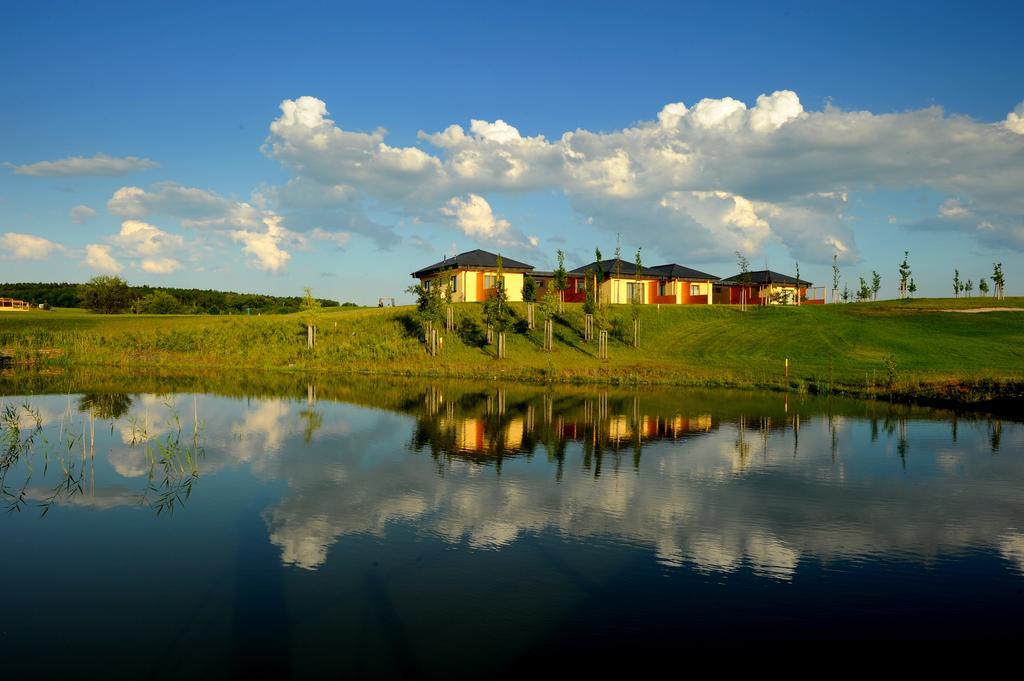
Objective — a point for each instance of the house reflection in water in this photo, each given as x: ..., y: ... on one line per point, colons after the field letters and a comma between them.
x: 491, y: 425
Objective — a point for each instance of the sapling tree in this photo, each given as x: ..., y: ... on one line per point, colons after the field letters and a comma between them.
x: 637, y: 301
x: 547, y: 308
x: 744, y: 278
x: 529, y: 289
x: 983, y: 287
x: 799, y: 295
x: 998, y: 282
x: 588, y: 286
x: 618, y: 268
x: 904, y: 275
x: 835, y: 276
x: 864, y: 292
x: 560, y: 280
x: 956, y: 283
x: 968, y: 287
x: 876, y: 284
x: 430, y: 306
x: 497, y: 312
x: 310, y: 313
x: 911, y: 287
x: 846, y: 292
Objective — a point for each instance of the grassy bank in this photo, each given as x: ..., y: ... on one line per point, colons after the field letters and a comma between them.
x: 911, y: 349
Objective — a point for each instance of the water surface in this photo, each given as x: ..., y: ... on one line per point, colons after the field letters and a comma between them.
x: 389, y: 528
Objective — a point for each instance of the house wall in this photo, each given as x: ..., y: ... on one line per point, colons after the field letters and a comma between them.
x: 730, y: 295
x: 668, y: 299
x: 616, y: 290
x: 571, y: 295
x: 761, y: 295
x: 513, y: 286
x: 678, y: 292
x: 790, y: 289
x: 683, y: 295
x: 470, y: 285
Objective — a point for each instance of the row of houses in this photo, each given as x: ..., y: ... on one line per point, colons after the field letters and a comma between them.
x: 472, y: 277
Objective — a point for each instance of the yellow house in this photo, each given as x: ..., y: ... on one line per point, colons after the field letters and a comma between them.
x: 472, y: 276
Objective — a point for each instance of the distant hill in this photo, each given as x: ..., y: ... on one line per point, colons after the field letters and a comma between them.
x: 199, y: 301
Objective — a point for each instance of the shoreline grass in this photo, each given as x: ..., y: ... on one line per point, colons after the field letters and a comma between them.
x: 905, y: 350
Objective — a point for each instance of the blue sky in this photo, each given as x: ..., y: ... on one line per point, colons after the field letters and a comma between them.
x: 881, y: 127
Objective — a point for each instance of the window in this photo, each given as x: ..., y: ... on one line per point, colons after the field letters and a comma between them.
x: 662, y: 286
x: 490, y: 280
x: 694, y: 289
x: 581, y: 286
x: 635, y: 292
x: 426, y: 284
x: 454, y: 284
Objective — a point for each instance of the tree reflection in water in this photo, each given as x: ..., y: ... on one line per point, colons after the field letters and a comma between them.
x: 708, y: 478
x: 173, y: 459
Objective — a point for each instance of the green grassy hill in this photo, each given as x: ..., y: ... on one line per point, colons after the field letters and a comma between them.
x: 908, y: 348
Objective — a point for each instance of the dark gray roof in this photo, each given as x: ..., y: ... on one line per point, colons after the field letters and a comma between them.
x: 475, y: 259
x: 766, y: 277
x: 674, y: 271
x: 608, y: 267
x: 628, y: 269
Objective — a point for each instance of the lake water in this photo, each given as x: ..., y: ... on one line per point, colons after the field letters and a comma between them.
x: 403, y: 529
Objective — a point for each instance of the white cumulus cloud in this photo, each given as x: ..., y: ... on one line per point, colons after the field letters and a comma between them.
x: 141, y: 239
x: 1015, y: 119
x: 473, y: 215
x: 265, y: 245
x: 159, y: 265
x: 694, y: 182
x: 26, y: 246
x: 98, y: 257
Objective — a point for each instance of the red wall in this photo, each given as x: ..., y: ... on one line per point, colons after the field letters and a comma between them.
x: 570, y: 292
x: 752, y: 298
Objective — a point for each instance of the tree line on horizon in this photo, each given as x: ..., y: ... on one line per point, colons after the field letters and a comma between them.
x: 107, y: 294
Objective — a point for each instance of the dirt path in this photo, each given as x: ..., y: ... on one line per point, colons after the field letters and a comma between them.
x: 975, y: 310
